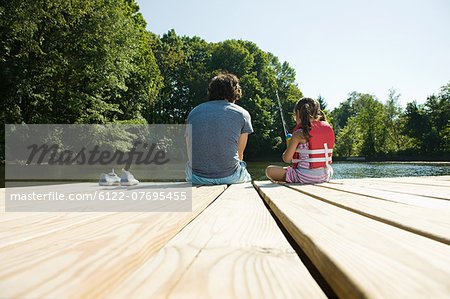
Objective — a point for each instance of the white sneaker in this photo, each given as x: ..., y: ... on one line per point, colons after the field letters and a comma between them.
x: 127, y: 179
x: 109, y: 179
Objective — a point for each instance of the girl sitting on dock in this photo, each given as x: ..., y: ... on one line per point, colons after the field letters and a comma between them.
x: 310, y: 148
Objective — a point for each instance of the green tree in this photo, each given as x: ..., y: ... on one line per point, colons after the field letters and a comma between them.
x: 322, y: 102
x: 396, y: 141
x: 144, y: 81
x: 193, y: 76
x: 370, y: 122
x: 416, y: 124
x: 349, y: 139
x: 438, y: 110
x: 65, y: 62
x: 342, y: 113
x: 232, y: 56
x: 364, y: 132
x: 428, y: 124
x: 289, y: 94
x: 392, y: 112
x: 169, y: 56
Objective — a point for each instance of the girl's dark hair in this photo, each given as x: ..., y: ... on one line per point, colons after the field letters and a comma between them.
x: 309, y: 109
x: 224, y: 86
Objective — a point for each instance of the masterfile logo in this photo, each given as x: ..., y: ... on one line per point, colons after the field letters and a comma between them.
x: 39, y: 158
x: 56, y: 156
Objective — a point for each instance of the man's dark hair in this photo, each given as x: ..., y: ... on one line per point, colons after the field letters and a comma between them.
x: 224, y: 86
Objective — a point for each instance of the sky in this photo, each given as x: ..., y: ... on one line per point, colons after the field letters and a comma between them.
x: 335, y: 47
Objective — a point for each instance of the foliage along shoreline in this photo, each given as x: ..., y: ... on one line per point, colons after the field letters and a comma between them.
x: 93, y: 61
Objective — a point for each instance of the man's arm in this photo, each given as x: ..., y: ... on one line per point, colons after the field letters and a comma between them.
x: 187, y: 148
x: 242, y: 143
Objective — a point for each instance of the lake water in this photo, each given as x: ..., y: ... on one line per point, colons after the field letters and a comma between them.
x: 351, y: 170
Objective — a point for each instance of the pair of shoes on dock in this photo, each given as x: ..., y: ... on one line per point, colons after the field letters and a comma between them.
x: 112, y: 179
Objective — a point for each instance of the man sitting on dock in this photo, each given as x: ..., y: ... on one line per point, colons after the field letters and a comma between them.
x: 220, y: 130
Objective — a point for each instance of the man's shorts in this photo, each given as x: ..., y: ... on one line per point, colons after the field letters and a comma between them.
x: 240, y: 176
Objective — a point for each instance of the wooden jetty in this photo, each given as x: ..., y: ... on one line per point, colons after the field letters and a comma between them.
x: 354, y: 238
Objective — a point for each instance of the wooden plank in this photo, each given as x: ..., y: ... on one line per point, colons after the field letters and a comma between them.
x: 407, y: 199
x: 60, y: 188
x: 40, y: 223
x: 442, y: 178
x: 443, y: 181
x: 92, y: 189
x: 234, y: 249
x: 438, y: 192
x: 86, y: 259
x: 434, y: 224
x: 359, y: 256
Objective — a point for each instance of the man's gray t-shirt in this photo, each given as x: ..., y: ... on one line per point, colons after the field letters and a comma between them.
x: 216, y: 127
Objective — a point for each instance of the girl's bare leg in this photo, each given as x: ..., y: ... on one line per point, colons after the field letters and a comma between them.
x: 276, y: 173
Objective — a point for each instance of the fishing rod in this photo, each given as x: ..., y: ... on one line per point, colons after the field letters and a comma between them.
x: 286, y: 134
x: 281, y: 113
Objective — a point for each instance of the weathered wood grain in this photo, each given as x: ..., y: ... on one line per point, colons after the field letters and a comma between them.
x: 234, y: 249
x: 357, y: 255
